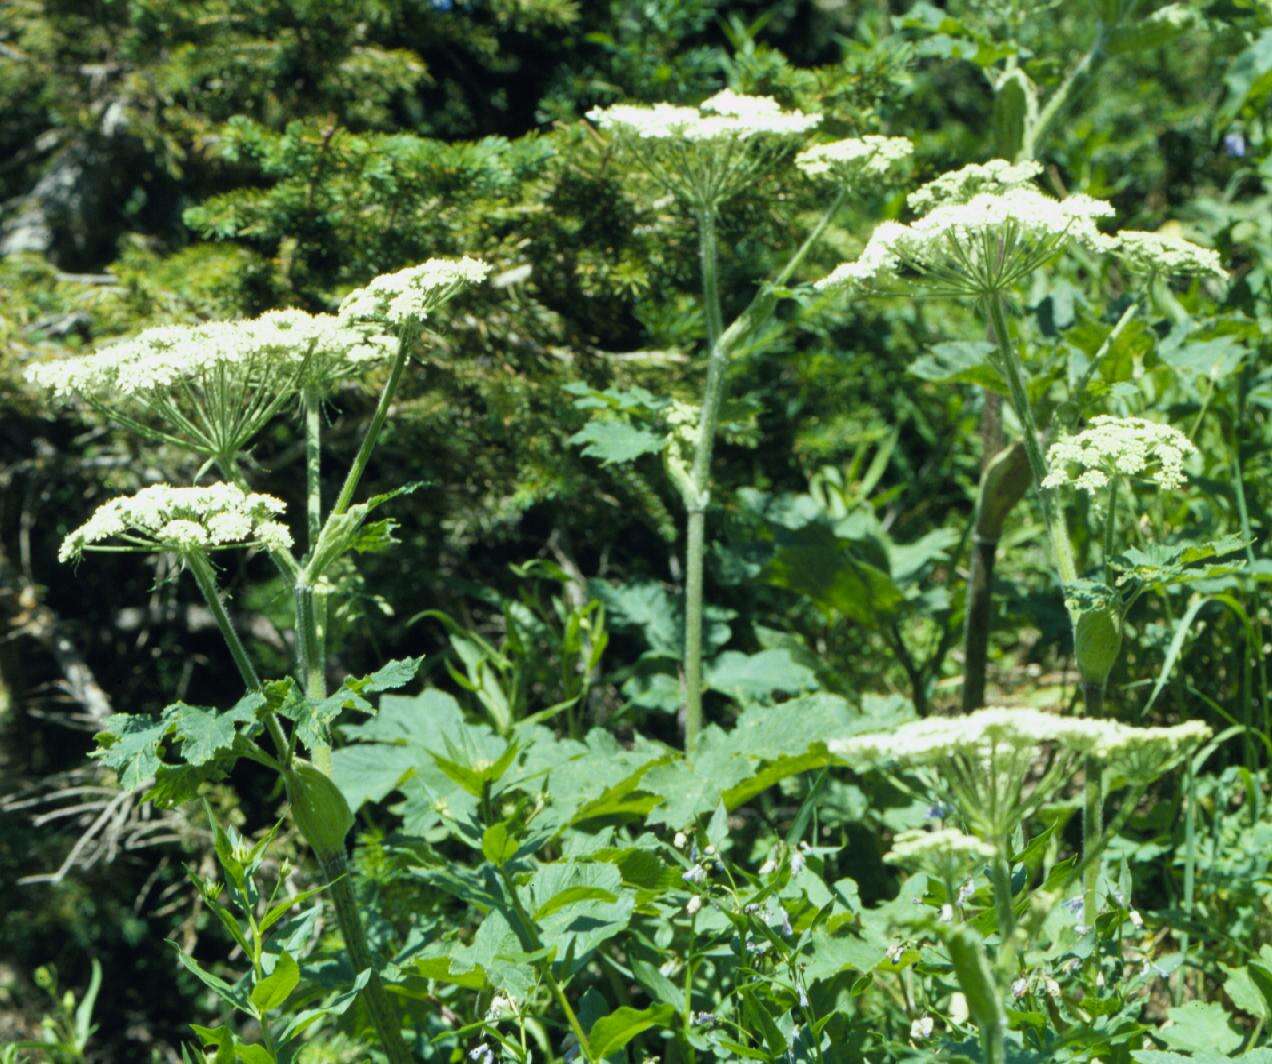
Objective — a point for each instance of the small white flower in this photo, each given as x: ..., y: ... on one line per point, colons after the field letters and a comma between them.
x: 501, y: 1006
x: 855, y: 159
x: 1050, y: 986
x: 958, y: 1010
x: 1020, y: 987
x: 958, y: 186
x: 697, y: 874
x: 412, y: 293
x: 797, y: 861
x: 680, y: 841
x: 163, y: 518
x: 921, y: 1029
x: 947, y: 913
x: 694, y: 905
x: 768, y: 867
x: 966, y: 891
x: 1129, y: 447
x: 895, y: 952
x: 1137, y: 921
x: 482, y: 1054
x: 1166, y: 253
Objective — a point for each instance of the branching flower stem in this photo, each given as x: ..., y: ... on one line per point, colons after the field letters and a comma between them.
x: 721, y: 343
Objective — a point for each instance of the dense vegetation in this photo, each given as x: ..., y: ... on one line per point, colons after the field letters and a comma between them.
x: 618, y: 697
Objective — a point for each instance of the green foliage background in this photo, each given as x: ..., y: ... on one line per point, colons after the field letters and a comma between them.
x: 168, y: 160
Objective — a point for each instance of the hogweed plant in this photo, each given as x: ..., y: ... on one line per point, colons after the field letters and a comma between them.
x: 703, y: 157
x: 982, y: 232
x: 209, y: 389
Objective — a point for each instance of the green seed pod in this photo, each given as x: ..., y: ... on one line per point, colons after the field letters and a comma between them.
x: 319, y: 809
x: 1097, y: 643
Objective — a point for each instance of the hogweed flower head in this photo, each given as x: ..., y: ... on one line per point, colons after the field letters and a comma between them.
x: 1164, y: 254
x: 210, y: 387
x: 958, y: 186
x: 921, y: 847
x: 705, y: 154
x: 1114, y: 447
x: 986, y: 244
x: 998, y: 766
x: 411, y: 294
x: 855, y: 159
x: 181, y: 520
x: 982, y: 229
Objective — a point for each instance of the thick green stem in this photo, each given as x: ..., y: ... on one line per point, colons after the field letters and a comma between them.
x: 1009, y: 361
x: 384, y: 1016
x: 699, y: 488
x: 1000, y: 874
x: 1092, y: 813
x: 720, y: 344
x: 406, y: 340
x: 1110, y: 528
x: 201, y: 570
x: 310, y: 604
x: 984, y: 999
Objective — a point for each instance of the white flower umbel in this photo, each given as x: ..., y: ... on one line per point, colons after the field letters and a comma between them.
x: 182, y: 520
x: 1164, y: 254
x: 413, y: 293
x: 998, y: 766
x: 705, y: 154
x: 1110, y: 448
x: 958, y: 186
x: 855, y: 159
x: 946, y: 854
x: 211, y: 387
x: 983, y: 246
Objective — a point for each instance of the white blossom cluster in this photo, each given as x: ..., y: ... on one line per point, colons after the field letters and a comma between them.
x: 993, y: 240
x: 412, y: 293
x: 727, y: 115
x: 164, y: 518
x: 995, y: 735
x: 947, y: 845
x: 703, y: 155
x: 1166, y: 254
x: 1112, y: 447
x: 268, y: 351
x: 958, y: 186
x: 856, y: 158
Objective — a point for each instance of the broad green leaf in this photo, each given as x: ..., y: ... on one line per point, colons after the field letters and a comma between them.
x: 1200, y: 1026
x: 276, y: 987
x: 612, y: 441
x: 206, y: 733
x: 499, y: 843
x: 830, y: 570
x: 130, y: 744
x: 227, y: 993
x: 610, y: 1033
x: 747, y: 677
x: 960, y: 362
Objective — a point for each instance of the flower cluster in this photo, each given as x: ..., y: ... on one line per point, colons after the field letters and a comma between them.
x: 1166, y: 254
x: 992, y: 241
x: 855, y: 159
x: 1113, y: 447
x: 705, y: 154
x: 727, y: 115
x: 958, y: 186
x: 164, y: 518
x: 412, y: 293
x: 945, y: 845
x: 211, y: 386
x: 998, y: 766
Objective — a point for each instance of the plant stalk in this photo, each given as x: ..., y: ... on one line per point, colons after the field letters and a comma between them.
x: 384, y: 1016
x: 201, y: 570
x: 1092, y: 813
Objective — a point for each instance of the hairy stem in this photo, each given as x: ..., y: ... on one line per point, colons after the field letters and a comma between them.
x: 1009, y: 361
x: 314, y: 608
x: 384, y: 1016
x: 201, y: 570
x: 984, y: 1000
x: 1092, y: 813
x: 406, y: 340
x: 700, y: 475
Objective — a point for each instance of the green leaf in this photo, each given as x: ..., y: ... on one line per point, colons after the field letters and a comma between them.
x: 610, y: 1033
x: 1248, y: 80
x: 747, y: 677
x: 1200, y: 1026
x: 276, y: 987
x: 612, y: 441
x: 830, y: 570
x: 499, y: 843
x: 960, y: 362
x: 129, y: 744
x: 573, y: 896
x: 207, y: 733
x: 227, y: 993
